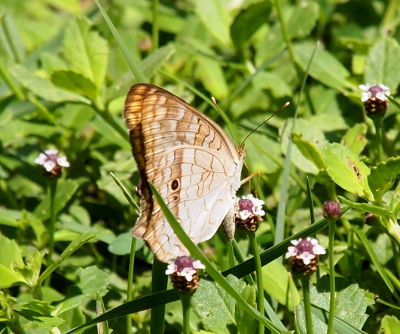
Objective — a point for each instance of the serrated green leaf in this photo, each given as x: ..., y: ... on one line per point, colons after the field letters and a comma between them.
x: 74, y: 82
x: 324, y: 68
x: 40, y: 313
x: 356, y: 138
x: 350, y: 304
x: 365, y: 207
x: 383, y: 177
x: 382, y: 65
x: 86, y: 50
x: 214, y: 306
x: 11, y: 264
x: 43, y: 87
x: 347, y: 170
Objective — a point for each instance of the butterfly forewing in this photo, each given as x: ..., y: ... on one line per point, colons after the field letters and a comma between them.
x: 191, y: 162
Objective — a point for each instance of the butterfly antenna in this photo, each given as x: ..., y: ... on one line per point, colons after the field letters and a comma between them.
x: 258, y: 126
x: 223, y: 117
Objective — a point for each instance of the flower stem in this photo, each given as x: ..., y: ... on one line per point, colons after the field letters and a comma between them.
x: 130, y: 284
x: 52, y: 191
x: 185, y: 299
x: 332, y: 300
x: 305, y: 282
x: 260, y: 285
x: 379, y: 137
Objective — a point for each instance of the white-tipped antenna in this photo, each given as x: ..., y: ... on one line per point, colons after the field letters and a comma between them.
x: 258, y: 126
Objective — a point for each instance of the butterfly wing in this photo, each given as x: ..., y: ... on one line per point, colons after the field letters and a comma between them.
x: 189, y: 159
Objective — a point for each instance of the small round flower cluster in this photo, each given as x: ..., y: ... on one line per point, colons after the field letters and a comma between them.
x: 250, y: 213
x: 304, y: 255
x: 51, y: 162
x: 184, y: 276
x: 375, y: 99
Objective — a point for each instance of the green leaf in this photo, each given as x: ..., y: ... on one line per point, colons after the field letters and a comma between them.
x: 214, y: 306
x: 382, y: 65
x: 366, y: 207
x: 309, y: 150
x: 278, y: 285
x: 43, y: 87
x: 11, y: 264
x: 209, y: 71
x: 74, y: 82
x: 32, y: 269
x: 86, y: 50
x: 247, y: 22
x: 156, y: 59
x: 313, y: 139
x: 350, y: 304
x: 356, y: 138
x: 347, y: 170
x: 92, y: 281
x: 215, y: 17
x: 244, y: 324
x: 395, y: 202
x: 18, y: 129
x: 39, y: 312
x: 121, y: 245
x: 390, y: 324
x: 383, y: 177
x: 325, y: 67
x: 64, y: 193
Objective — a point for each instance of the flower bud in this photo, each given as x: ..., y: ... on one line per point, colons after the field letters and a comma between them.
x: 304, y: 255
x: 184, y: 274
x: 250, y: 213
x: 51, y: 163
x: 332, y: 210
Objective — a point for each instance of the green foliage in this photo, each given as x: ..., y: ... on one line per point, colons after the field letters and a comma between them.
x: 66, y: 253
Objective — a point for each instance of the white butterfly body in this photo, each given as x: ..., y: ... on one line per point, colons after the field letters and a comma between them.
x: 191, y: 162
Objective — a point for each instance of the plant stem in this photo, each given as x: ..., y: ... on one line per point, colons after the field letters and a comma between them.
x: 155, y: 29
x: 379, y: 138
x: 305, y: 282
x: 159, y: 283
x: 332, y: 300
x: 185, y: 299
x: 260, y: 285
x: 52, y: 191
x: 129, y: 296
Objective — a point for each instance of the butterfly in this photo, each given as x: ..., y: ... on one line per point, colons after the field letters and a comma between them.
x: 191, y: 162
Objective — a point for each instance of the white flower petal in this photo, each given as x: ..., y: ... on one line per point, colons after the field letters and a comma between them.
x: 49, y: 165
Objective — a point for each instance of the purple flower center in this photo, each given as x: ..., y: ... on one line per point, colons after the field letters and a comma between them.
x: 375, y: 90
x: 305, y: 246
x: 246, y: 204
x: 183, y: 262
